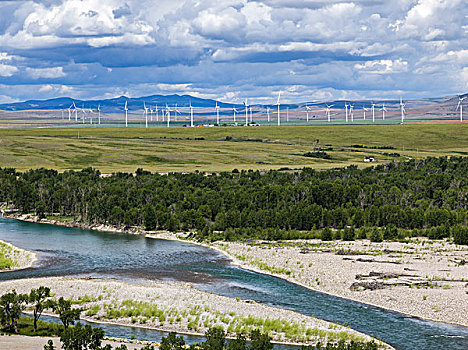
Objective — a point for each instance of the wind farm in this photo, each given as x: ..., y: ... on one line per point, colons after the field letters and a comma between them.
x: 180, y: 111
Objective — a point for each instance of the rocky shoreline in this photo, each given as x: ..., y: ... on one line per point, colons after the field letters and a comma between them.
x: 177, y: 306
x: 410, y: 278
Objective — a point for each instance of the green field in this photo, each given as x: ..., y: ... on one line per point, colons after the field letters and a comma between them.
x: 223, y: 148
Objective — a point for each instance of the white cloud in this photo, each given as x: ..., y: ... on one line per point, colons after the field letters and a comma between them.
x: 335, y: 48
x: 47, y: 73
x: 46, y: 88
x: 383, y: 66
x: 7, y: 70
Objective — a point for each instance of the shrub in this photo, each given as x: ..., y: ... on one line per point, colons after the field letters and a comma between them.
x: 460, y: 234
x: 326, y: 234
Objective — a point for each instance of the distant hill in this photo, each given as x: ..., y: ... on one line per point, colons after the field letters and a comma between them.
x: 114, y: 104
x: 117, y: 104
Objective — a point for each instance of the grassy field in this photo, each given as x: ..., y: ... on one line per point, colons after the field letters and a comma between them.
x: 220, y: 149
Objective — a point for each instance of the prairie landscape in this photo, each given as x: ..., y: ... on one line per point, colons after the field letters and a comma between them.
x: 225, y: 148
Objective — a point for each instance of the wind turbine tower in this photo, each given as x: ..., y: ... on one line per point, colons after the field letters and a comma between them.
x: 373, y: 112
x: 403, y: 110
x: 217, y: 113
x: 146, y: 114
x: 251, y: 116
x: 246, y: 112
x: 383, y: 111
x: 191, y: 115
x: 328, y: 112
x: 278, y: 104
x: 307, y: 112
x: 346, y: 111
x: 168, y: 115
x: 268, y: 113
x: 126, y: 114
x: 76, y: 112
x: 460, y: 105
x: 351, y: 112
x: 364, y: 110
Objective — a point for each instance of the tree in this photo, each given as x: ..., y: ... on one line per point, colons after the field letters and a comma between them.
x: 50, y: 345
x: 82, y: 338
x: 260, y: 341
x: 66, y: 313
x: 172, y: 342
x: 237, y: 344
x: 150, y: 217
x: 12, y: 305
x: 38, y: 297
x: 215, y: 339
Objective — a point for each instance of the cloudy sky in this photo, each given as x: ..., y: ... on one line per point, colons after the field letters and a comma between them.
x: 232, y: 49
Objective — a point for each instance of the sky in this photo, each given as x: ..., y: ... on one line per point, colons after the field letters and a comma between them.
x: 311, y: 50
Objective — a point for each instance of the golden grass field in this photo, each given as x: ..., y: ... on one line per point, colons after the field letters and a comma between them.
x: 206, y: 149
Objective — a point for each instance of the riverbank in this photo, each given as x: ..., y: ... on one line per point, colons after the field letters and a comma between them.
x: 421, y: 278
x: 178, y: 307
x: 14, y: 258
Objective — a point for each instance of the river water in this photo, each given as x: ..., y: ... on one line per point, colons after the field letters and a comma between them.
x: 74, y: 252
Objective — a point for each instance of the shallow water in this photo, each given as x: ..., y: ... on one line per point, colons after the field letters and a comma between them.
x: 68, y: 251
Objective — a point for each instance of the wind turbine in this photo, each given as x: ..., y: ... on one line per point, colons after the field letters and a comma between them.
x: 328, y: 112
x: 460, y: 105
x: 234, y: 110
x: 268, y: 113
x: 278, y: 104
x: 287, y: 114
x: 383, y: 111
x: 307, y: 111
x: 99, y: 114
x: 246, y: 112
x: 176, y: 111
x: 251, y: 116
x: 90, y: 116
x: 346, y: 111
x: 403, y: 110
x: 157, y: 113
x: 83, y: 113
x: 69, y: 112
x: 146, y: 114
x: 76, y: 112
x: 351, y: 112
x: 373, y: 112
x: 151, y: 113
x: 217, y: 113
x: 364, y: 110
x: 126, y: 114
x: 168, y: 115
x: 191, y: 115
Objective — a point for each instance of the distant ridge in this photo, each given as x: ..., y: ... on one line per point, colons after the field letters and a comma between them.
x: 117, y: 104
x: 114, y: 104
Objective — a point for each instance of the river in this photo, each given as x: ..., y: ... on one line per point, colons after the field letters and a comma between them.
x: 66, y: 251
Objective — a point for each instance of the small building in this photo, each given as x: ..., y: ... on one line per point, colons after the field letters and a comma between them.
x: 369, y: 159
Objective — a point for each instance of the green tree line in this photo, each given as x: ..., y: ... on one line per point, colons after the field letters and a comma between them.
x: 415, y: 194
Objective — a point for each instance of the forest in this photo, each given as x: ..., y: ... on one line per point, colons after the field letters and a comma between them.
x: 426, y: 197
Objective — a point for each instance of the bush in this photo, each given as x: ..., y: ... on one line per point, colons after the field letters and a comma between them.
x: 375, y: 235
x: 348, y: 234
x: 326, y: 234
x: 460, y: 234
